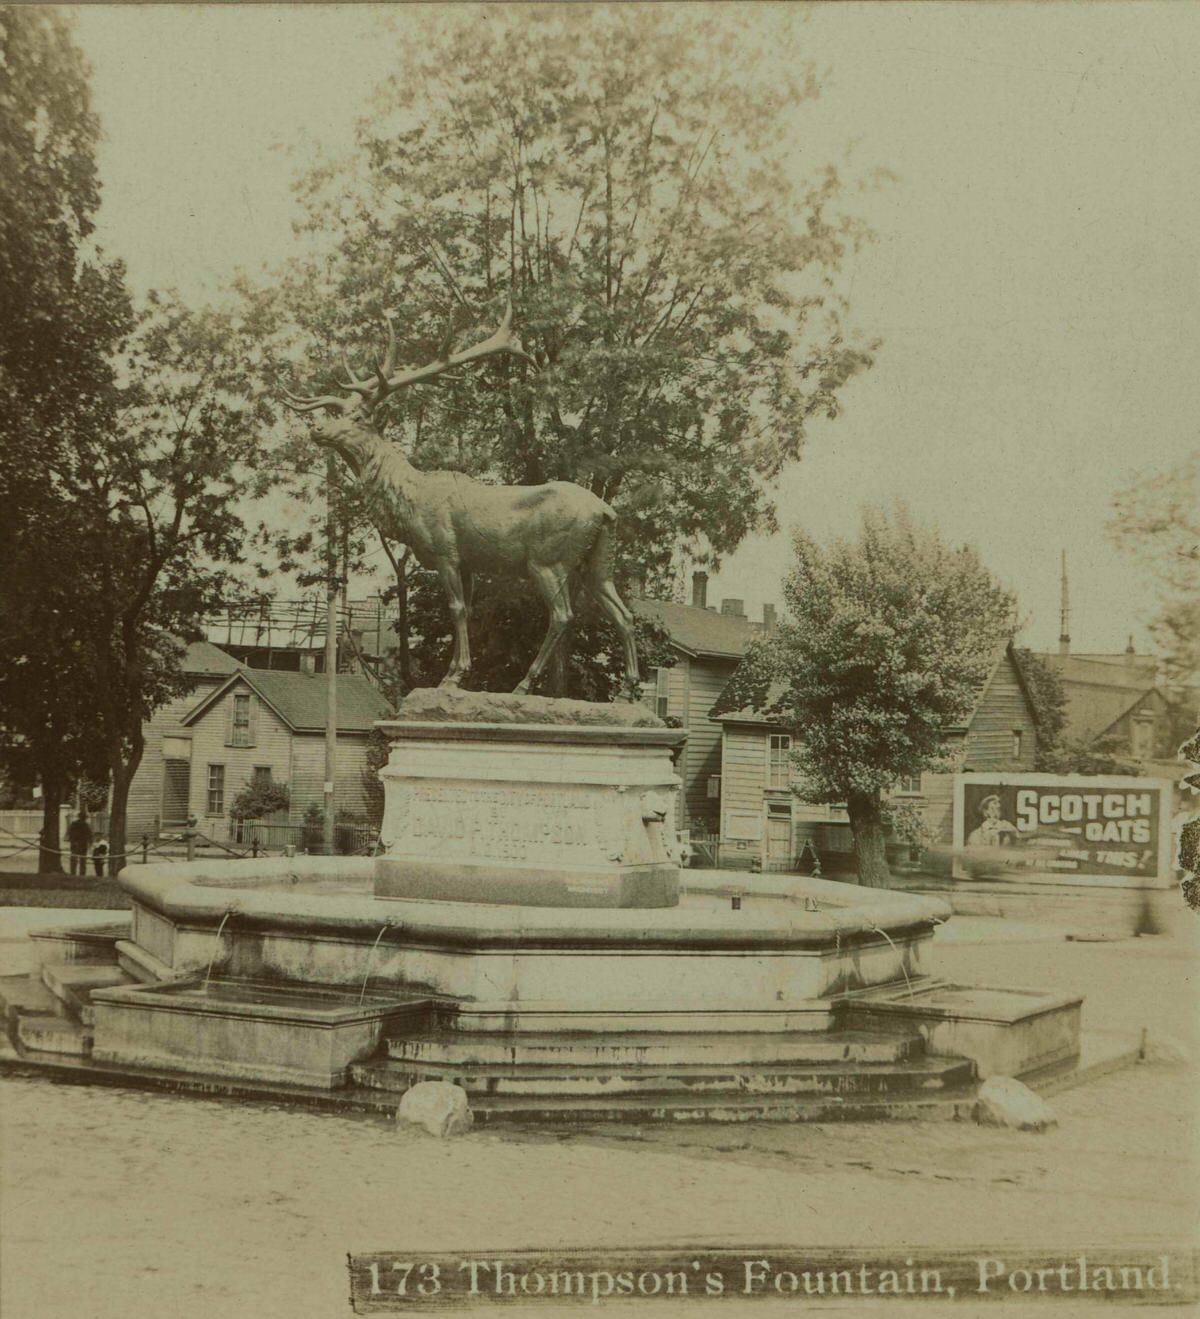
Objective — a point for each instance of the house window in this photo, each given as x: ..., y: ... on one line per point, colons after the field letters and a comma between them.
x: 216, y: 790
x: 660, y: 692
x: 1143, y: 738
x: 909, y: 785
x: 241, y: 720
x: 1017, y: 739
x: 262, y: 776
x: 779, y: 750
x: 714, y: 785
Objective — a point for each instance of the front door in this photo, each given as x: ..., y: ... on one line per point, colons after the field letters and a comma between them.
x: 177, y: 780
x: 779, y: 836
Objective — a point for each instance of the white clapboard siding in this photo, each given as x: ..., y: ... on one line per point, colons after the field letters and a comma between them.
x: 271, y: 749
x: 145, y: 792
x: 308, y: 774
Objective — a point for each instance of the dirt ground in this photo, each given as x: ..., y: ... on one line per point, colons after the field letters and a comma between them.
x: 121, y: 1204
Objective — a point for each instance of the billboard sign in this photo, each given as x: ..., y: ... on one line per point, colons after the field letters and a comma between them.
x: 1094, y: 827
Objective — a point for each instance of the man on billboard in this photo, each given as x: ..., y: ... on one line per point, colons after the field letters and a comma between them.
x: 992, y: 830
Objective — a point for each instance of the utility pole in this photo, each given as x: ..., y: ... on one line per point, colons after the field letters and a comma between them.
x: 331, y: 559
x: 1064, y: 615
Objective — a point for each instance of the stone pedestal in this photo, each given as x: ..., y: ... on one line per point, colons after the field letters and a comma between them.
x: 530, y: 801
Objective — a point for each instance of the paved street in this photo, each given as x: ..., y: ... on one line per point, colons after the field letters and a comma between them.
x: 119, y: 1203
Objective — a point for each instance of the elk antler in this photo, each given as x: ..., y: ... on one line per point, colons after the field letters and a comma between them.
x: 388, y: 380
x: 502, y: 341
x: 311, y: 402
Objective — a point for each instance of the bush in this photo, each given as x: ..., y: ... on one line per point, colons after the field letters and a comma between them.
x: 258, y: 799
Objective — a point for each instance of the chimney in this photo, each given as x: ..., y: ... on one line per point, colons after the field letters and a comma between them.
x: 734, y: 608
x: 768, y: 618
x: 1064, y: 623
x: 700, y: 590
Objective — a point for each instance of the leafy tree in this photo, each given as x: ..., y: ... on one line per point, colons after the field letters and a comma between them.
x: 890, y: 637
x: 1156, y: 521
x: 138, y: 535
x: 627, y: 176
x: 64, y: 310
x: 49, y: 725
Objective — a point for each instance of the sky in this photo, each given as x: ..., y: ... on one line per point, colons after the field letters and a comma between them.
x: 1035, y: 278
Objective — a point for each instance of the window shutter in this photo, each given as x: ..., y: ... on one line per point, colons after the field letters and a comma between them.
x: 252, y: 731
x: 230, y: 707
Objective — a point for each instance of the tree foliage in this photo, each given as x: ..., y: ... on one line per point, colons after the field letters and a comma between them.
x: 628, y: 178
x: 1049, y: 700
x: 134, y: 539
x: 890, y: 637
x: 64, y: 310
x: 1102, y: 755
x: 1156, y: 521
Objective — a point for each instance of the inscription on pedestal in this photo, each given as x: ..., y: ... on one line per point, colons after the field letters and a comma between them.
x: 505, y: 824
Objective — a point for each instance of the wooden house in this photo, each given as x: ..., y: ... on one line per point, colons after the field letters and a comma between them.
x: 270, y: 725
x: 764, y: 821
x: 707, y: 646
x: 238, y: 724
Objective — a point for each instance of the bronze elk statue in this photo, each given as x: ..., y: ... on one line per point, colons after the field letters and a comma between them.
x: 556, y: 534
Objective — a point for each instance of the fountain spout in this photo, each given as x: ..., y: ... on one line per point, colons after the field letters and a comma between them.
x: 362, y: 993
x: 216, y: 950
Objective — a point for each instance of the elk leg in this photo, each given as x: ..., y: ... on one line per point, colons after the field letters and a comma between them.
x: 615, y: 608
x: 451, y: 580
x: 554, y: 585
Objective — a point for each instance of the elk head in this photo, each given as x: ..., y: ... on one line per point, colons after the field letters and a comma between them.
x: 348, y: 414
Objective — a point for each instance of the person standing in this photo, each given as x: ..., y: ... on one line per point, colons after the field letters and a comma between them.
x: 79, y: 836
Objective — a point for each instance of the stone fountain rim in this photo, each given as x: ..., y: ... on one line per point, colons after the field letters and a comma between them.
x: 202, y: 892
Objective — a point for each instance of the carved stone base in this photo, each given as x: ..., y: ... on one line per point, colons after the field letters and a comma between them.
x: 540, y: 802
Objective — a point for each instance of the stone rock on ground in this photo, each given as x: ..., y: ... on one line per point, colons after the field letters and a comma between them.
x: 453, y: 705
x: 437, y: 1106
x: 1005, y: 1102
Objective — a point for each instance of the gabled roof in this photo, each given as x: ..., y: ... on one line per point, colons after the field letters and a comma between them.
x: 1093, y: 709
x: 1129, y: 671
x: 697, y: 631
x: 1102, y: 689
x: 1004, y: 651
x: 203, y: 659
x: 299, y: 699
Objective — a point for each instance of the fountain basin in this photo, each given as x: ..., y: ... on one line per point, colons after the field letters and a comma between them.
x: 292, y: 1036
x: 696, y: 966
x: 292, y: 975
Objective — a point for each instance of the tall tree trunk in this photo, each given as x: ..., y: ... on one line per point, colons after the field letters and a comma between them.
x: 50, y: 841
x: 866, y: 824
x: 123, y: 770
